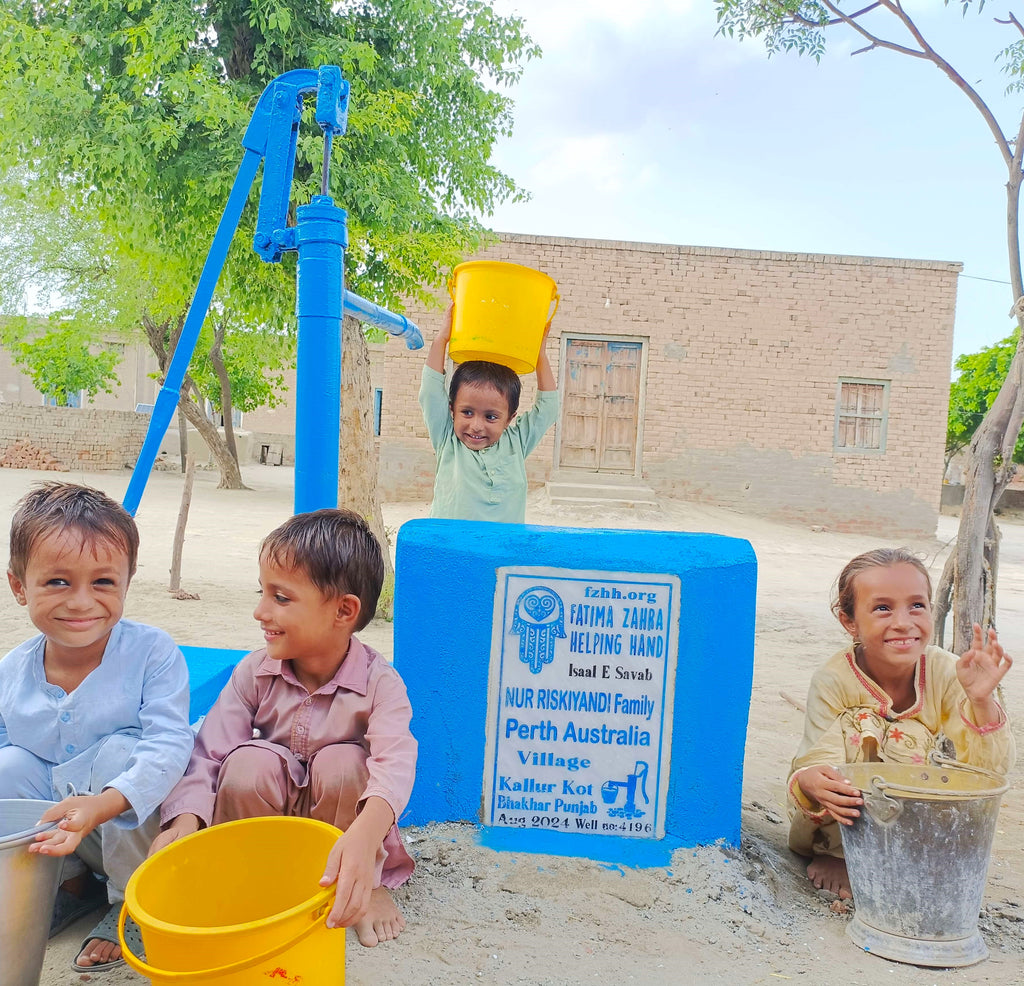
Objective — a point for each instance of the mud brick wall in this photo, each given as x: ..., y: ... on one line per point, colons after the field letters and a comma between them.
x: 63, y: 438
x: 745, y: 350
x: 744, y: 353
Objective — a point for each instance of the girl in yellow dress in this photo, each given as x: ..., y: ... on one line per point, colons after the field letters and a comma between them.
x: 889, y: 696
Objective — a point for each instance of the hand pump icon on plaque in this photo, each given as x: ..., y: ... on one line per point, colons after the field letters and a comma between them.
x: 610, y: 793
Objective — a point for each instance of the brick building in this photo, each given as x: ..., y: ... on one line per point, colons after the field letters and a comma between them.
x: 806, y: 387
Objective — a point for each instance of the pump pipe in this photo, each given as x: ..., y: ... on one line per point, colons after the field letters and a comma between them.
x: 320, y: 238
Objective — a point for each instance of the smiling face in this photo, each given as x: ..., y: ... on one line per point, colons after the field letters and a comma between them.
x: 299, y: 622
x: 74, y: 590
x: 892, y: 619
x: 479, y: 415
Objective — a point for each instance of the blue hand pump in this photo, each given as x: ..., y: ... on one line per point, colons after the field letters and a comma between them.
x: 320, y: 237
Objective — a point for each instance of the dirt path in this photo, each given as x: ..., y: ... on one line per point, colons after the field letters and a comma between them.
x: 717, y: 915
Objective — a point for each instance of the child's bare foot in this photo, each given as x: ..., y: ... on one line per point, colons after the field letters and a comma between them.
x: 98, y: 951
x: 382, y: 922
x: 829, y: 873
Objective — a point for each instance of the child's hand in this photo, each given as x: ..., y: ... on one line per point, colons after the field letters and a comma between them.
x: 351, y: 864
x: 78, y: 815
x: 178, y: 828
x: 980, y: 669
x: 832, y: 791
x: 445, y: 332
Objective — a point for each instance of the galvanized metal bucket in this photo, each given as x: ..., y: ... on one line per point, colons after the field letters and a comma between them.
x: 28, y: 887
x: 918, y: 858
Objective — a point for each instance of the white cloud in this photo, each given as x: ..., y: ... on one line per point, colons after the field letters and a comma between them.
x: 597, y: 162
x: 564, y: 25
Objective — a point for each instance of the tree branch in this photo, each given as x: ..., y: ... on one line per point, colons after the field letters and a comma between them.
x: 1011, y: 20
x: 850, y: 20
x: 954, y: 76
x: 798, y: 18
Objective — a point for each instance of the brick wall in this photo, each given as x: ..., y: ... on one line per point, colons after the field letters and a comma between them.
x: 745, y: 350
x: 69, y: 438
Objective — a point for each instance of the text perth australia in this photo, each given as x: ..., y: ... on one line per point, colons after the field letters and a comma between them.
x: 547, y: 732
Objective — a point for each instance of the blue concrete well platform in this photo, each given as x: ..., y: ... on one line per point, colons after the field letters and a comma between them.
x: 208, y: 671
x: 577, y: 691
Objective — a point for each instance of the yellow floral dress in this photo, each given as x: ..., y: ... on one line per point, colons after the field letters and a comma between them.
x: 850, y: 719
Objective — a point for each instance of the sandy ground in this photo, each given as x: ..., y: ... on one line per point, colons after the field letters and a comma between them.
x: 718, y: 914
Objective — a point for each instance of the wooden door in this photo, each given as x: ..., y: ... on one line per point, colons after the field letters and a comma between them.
x: 601, y: 405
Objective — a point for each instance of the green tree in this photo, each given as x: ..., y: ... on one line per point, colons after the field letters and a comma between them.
x: 967, y: 585
x: 980, y: 376
x: 125, y: 121
x: 64, y: 359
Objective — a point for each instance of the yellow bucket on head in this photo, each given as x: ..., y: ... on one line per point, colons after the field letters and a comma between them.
x: 236, y: 904
x: 500, y: 313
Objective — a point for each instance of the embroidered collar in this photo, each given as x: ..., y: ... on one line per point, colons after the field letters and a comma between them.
x: 882, y: 697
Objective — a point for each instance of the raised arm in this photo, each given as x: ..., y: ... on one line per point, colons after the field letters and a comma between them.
x: 545, y: 375
x: 439, y: 347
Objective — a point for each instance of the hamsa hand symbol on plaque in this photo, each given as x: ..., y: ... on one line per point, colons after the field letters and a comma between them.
x: 538, y: 621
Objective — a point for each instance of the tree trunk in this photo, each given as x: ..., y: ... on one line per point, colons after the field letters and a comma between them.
x: 182, y: 438
x: 357, y: 475
x: 230, y: 474
x: 943, y: 600
x: 990, y: 459
x: 174, y: 586
x: 217, y: 359
x: 989, y: 470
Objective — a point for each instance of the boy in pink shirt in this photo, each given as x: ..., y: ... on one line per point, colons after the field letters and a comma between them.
x: 315, y: 723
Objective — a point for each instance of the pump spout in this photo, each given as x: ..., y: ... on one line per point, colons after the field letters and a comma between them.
x: 391, y: 322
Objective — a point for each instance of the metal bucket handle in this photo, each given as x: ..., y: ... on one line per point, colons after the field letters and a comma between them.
x: 938, y: 760
x: 878, y: 804
x: 884, y: 808
x: 27, y: 836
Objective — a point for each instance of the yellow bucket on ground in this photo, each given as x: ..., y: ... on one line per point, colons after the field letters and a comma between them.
x: 500, y: 313
x: 237, y: 904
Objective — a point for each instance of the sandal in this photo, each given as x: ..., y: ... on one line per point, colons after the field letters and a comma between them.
x: 106, y: 930
x: 69, y: 907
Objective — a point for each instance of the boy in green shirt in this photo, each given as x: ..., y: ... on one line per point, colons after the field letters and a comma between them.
x: 481, y: 448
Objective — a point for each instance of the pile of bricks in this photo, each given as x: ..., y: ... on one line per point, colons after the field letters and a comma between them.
x: 25, y: 455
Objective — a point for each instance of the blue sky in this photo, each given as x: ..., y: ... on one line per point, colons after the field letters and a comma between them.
x: 640, y: 124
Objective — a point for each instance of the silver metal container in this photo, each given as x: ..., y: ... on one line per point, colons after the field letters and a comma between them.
x: 28, y: 887
x: 918, y: 859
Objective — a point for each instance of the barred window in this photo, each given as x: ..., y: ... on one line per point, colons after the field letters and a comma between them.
x: 862, y: 412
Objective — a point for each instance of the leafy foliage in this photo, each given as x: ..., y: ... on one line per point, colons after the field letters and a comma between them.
x: 785, y: 25
x: 62, y: 360
x: 981, y: 374
x: 254, y: 361
x: 120, y: 122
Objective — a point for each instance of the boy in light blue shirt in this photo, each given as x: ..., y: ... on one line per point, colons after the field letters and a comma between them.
x: 480, y: 446
x: 93, y: 710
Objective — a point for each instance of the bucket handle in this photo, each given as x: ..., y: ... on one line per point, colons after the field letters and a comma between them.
x: 143, y: 969
x: 881, y: 786
x: 939, y: 760
x: 557, y: 299
x: 27, y: 836
x: 879, y: 805
x: 884, y: 786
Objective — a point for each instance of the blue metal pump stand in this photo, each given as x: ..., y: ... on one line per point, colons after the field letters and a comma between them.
x: 319, y: 237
